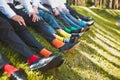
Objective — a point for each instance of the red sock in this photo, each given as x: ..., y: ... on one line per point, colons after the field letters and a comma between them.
x: 32, y: 59
x: 9, y: 69
x: 45, y: 52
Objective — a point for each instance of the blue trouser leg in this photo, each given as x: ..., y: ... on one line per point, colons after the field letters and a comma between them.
x: 49, y: 18
x: 73, y: 19
x: 75, y: 13
x: 67, y: 20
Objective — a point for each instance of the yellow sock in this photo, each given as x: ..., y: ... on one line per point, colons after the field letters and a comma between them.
x: 59, y: 38
x: 65, y: 34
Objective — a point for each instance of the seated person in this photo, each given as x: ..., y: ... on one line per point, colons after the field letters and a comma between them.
x: 50, y: 19
x: 18, y: 19
x: 60, y: 10
x: 52, y: 22
x: 15, y: 41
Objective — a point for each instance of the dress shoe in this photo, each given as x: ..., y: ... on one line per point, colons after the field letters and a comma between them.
x: 90, y: 19
x: 74, y: 38
x: 45, y: 64
x: 69, y: 47
x: 18, y: 75
x: 78, y: 35
x: 76, y: 31
x: 90, y: 23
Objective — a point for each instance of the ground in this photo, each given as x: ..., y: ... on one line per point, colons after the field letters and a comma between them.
x: 96, y: 58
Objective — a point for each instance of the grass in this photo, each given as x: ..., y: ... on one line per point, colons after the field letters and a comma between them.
x: 96, y: 58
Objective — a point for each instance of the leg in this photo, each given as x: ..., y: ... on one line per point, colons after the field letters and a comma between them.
x: 12, y: 72
x: 8, y: 35
x: 64, y: 17
x: 49, y: 18
x: 76, y: 21
x: 76, y: 14
x: 3, y: 61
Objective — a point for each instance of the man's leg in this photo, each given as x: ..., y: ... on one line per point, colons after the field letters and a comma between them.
x: 12, y: 72
x: 76, y: 21
x: 76, y: 14
x: 64, y: 17
x: 50, y: 19
x: 8, y: 35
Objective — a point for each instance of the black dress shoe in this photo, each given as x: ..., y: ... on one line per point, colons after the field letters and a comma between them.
x: 69, y: 47
x: 76, y: 31
x: 18, y: 75
x: 88, y: 19
x: 89, y: 23
x: 74, y: 38
x: 45, y: 64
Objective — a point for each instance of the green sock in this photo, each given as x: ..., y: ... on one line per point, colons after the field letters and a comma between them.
x: 67, y: 30
x: 73, y: 28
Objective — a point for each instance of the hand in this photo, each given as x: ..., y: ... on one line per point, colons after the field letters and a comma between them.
x: 35, y: 9
x: 19, y: 19
x: 56, y: 12
x: 34, y: 16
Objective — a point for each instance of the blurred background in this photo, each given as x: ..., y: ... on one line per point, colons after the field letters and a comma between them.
x: 111, y: 4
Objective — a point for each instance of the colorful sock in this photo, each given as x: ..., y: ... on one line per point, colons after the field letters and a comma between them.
x: 9, y: 69
x: 57, y: 43
x: 45, y: 52
x: 73, y: 28
x: 67, y: 30
x: 83, y: 23
x: 32, y: 59
x: 59, y: 38
x: 64, y: 34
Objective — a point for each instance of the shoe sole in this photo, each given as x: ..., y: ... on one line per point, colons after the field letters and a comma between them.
x: 72, y: 48
x: 56, y: 62
x: 81, y: 34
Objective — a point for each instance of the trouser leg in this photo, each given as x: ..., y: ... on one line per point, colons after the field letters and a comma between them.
x: 73, y: 19
x: 8, y: 35
x: 75, y: 13
x: 49, y: 18
x: 67, y: 20
x: 40, y: 26
x: 3, y: 60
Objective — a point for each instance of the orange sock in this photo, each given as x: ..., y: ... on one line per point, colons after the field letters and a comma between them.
x: 45, y: 52
x: 57, y: 43
x: 9, y: 69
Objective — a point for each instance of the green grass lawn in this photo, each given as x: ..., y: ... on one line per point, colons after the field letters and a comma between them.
x: 96, y: 58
